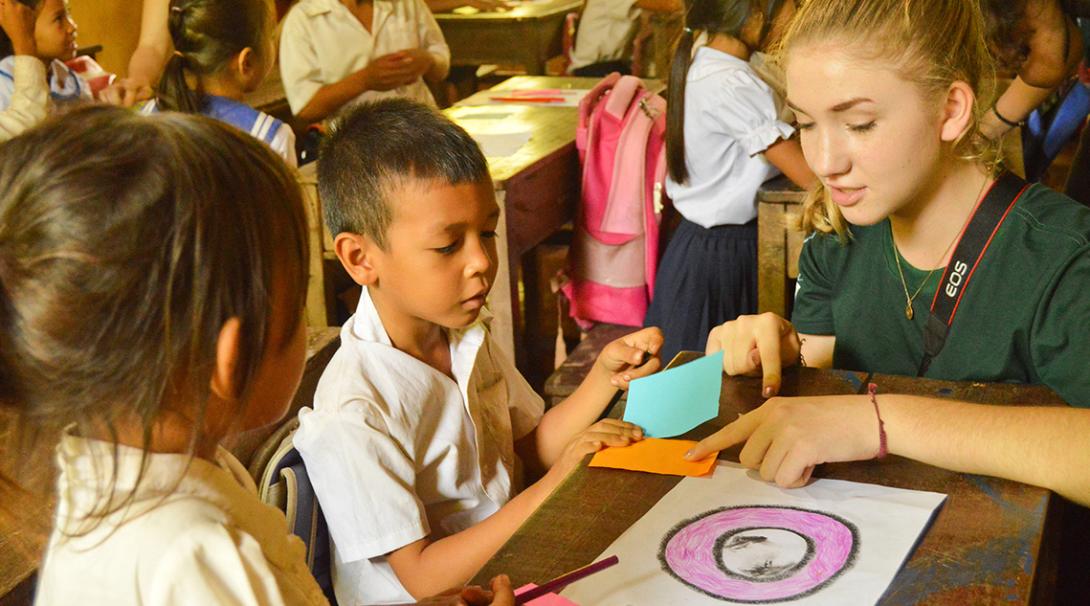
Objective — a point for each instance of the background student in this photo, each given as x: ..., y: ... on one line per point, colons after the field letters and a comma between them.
x: 333, y: 52
x: 225, y: 48
x: 182, y: 339
x: 54, y: 43
x: 724, y: 139
x: 603, y: 38
x: 29, y: 92
x: 890, y: 117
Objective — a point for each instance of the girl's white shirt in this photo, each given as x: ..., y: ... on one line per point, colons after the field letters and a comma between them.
x: 731, y: 117
x: 194, y: 532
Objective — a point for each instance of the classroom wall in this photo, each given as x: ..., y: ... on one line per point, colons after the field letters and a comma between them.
x: 115, y: 24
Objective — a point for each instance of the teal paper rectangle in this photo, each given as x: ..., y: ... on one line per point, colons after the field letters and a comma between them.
x: 674, y: 401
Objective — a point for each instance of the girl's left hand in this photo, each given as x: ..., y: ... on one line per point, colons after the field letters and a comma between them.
x: 623, y: 359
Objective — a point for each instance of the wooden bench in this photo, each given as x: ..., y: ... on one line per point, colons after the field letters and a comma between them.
x: 779, y: 242
x: 567, y: 378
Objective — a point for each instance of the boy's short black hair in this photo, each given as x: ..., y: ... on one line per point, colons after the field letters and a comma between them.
x: 377, y: 144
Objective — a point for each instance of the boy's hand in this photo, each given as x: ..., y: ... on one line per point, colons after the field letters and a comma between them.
x: 607, y: 432
x: 623, y: 359
x: 389, y: 72
x: 18, y: 20
x: 125, y: 92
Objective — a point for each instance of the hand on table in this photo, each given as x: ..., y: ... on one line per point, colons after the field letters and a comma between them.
x: 757, y: 345
x: 786, y: 437
x: 623, y: 358
x: 607, y: 432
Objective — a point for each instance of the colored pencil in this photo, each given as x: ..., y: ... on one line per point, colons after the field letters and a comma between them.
x: 564, y: 580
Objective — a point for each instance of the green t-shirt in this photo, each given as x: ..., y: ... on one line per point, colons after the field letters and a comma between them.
x: 1024, y: 318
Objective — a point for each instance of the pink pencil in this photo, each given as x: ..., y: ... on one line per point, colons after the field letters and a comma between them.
x: 564, y: 580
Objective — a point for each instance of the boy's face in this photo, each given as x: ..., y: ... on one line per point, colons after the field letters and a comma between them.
x: 55, y: 32
x: 440, y: 256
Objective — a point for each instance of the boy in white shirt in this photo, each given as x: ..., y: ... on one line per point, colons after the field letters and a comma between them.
x: 605, y: 33
x: 333, y: 52
x: 421, y: 426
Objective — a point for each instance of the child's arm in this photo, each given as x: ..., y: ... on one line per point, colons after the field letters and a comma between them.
x: 427, y: 567
x: 384, y: 73
x: 152, y: 50
x: 617, y: 365
x: 433, y: 43
x: 30, y: 92
x: 786, y: 155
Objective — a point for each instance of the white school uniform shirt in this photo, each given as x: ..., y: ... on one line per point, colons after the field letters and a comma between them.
x: 195, y: 533
x: 604, y: 31
x: 263, y: 127
x: 398, y: 451
x: 65, y: 85
x: 731, y: 116
x: 322, y: 42
x: 28, y: 99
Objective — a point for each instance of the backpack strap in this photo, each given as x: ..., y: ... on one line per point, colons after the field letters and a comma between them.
x: 987, y: 217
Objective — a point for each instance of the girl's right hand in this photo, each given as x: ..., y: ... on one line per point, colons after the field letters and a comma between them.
x: 752, y: 345
x: 18, y: 20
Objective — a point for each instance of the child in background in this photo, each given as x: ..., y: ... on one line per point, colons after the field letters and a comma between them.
x: 723, y: 140
x: 421, y: 427
x: 226, y: 48
x: 605, y: 32
x: 28, y: 99
x: 183, y: 338
x: 55, y: 43
x: 334, y: 52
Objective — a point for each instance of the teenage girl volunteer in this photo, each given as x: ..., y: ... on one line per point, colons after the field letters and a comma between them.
x: 890, y: 95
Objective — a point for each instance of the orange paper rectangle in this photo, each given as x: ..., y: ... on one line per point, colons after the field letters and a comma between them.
x: 655, y: 455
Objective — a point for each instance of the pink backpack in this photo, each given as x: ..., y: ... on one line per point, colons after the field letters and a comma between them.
x: 621, y: 142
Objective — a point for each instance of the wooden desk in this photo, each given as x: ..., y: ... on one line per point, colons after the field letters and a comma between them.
x: 779, y: 242
x: 993, y: 541
x: 527, y: 35
x: 26, y: 520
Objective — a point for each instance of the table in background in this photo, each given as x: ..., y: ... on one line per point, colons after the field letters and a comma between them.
x: 992, y: 541
x: 779, y: 242
x: 528, y: 34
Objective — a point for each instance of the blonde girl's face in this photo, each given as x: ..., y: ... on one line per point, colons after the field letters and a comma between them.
x: 55, y: 31
x: 872, y: 137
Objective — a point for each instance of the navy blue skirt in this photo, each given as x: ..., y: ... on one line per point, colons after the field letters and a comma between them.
x: 706, y: 277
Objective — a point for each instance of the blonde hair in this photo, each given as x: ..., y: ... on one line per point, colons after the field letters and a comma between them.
x: 934, y: 43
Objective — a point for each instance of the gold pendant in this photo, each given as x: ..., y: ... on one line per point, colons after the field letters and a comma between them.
x: 908, y: 310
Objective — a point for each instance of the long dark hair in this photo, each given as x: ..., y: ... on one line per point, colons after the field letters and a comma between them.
x: 206, y: 35
x: 6, y: 48
x: 126, y: 243
x: 712, y: 17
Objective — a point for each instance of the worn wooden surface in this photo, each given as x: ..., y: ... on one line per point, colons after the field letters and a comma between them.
x: 779, y: 243
x: 989, y: 543
x: 26, y: 516
x: 563, y: 382
x: 527, y: 34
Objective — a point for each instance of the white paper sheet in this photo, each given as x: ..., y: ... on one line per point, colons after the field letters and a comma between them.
x: 499, y: 143
x: 733, y: 538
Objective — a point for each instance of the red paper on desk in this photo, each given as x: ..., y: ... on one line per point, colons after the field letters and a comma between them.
x: 549, y: 599
x: 655, y: 455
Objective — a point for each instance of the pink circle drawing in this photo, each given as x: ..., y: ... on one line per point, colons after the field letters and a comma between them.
x: 759, y: 554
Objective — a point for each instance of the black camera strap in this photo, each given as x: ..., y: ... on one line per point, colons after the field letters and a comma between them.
x: 973, y: 243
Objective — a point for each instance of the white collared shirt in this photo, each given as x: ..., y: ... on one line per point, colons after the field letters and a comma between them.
x: 322, y: 42
x: 195, y: 533
x: 731, y: 117
x: 604, y: 31
x: 397, y: 451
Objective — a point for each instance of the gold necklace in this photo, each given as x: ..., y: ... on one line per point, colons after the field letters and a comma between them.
x: 897, y: 258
